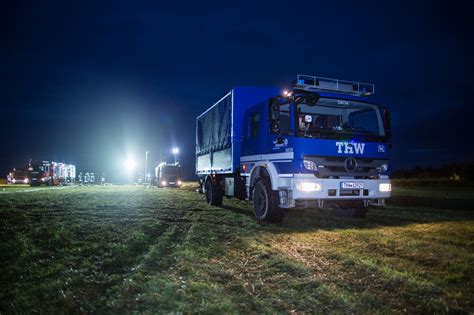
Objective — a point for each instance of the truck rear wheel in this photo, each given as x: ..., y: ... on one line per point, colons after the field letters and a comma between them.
x: 214, y: 193
x: 266, y: 203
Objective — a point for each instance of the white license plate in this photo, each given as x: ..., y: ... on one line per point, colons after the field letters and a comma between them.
x: 352, y: 185
x: 171, y: 183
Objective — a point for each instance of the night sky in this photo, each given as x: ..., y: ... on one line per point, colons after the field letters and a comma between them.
x: 92, y: 82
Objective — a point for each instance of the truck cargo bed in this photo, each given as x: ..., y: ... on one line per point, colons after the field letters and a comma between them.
x: 219, y: 129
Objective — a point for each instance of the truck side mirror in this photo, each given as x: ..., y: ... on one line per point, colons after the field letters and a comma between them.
x: 387, y: 126
x: 274, y: 109
x: 274, y: 115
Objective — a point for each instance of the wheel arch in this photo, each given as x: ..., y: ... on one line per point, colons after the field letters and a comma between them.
x: 267, y: 169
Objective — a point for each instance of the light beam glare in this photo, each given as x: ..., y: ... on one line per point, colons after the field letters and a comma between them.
x: 129, y: 165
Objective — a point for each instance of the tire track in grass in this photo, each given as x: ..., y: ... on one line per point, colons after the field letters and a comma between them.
x: 81, y: 250
x: 213, y: 266
x: 159, y: 284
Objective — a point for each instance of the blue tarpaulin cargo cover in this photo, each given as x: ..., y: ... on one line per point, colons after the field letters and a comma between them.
x: 219, y: 130
x: 214, y: 127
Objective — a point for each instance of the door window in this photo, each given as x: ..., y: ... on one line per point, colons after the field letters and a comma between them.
x: 254, y: 120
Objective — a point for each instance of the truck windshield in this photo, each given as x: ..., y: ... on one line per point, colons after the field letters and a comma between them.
x: 332, y: 118
x: 38, y: 167
x: 171, y: 170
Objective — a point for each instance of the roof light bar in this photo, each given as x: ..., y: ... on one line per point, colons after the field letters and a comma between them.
x: 313, y: 83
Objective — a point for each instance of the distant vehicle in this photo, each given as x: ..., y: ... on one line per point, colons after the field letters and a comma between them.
x: 168, y: 175
x: 18, y: 176
x: 51, y: 173
x: 67, y: 173
x: 320, y: 144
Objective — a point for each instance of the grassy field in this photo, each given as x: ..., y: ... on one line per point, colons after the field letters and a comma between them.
x: 134, y: 249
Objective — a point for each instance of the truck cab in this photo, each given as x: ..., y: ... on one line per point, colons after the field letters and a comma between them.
x: 40, y: 173
x: 321, y: 144
x: 168, y: 175
x: 51, y: 173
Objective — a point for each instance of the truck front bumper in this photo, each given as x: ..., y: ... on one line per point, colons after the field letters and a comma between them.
x: 307, y: 187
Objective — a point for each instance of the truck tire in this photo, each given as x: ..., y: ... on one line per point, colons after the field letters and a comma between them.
x: 214, y: 193
x: 266, y: 203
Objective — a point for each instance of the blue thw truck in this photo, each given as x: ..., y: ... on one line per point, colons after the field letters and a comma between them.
x: 321, y: 144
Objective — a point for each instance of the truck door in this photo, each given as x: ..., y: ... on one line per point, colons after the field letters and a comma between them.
x: 254, y: 137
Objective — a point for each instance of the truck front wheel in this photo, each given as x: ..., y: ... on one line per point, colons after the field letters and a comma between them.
x: 266, y: 203
x: 214, y: 193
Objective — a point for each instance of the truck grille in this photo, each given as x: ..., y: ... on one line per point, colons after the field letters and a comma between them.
x: 335, y: 166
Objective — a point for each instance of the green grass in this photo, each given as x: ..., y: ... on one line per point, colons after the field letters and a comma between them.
x: 132, y: 249
x: 18, y: 187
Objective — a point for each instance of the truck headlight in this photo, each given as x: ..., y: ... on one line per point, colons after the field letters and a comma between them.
x: 310, y: 165
x: 308, y: 186
x: 163, y: 183
x: 179, y: 183
x: 26, y: 180
x: 13, y: 181
x: 384, y: 167
x: 385, y: 187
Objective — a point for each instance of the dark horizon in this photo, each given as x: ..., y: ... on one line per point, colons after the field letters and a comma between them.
x: 91, y: 83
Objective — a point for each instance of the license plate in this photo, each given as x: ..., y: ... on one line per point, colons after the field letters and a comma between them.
x: 34, y: 178
x: 171, y: 183
x: 352, y: 185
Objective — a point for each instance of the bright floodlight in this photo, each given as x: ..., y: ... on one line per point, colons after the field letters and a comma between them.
x: 129, y: 165
x: 175, y: 151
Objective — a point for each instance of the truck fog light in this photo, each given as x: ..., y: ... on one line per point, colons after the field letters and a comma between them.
x: 308, y: 187
x: 26, y: 180
x: 310, y: 165
x: 385, y: 187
